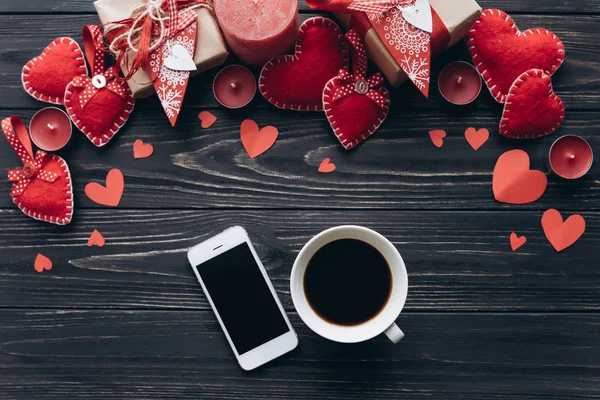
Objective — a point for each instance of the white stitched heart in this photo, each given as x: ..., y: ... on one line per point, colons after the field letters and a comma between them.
x: 179, y: 59
x: 419, y: 15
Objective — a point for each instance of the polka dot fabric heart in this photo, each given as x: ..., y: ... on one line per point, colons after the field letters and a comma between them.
x: 502, y: 53
x: 99, y: 106
x: 355, y: 105
x: 296, y: 82
x: 46, y: 76
x: 42, y: 188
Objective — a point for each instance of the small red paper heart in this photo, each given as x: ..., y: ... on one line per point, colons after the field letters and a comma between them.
x: 103, y: 115
x: 207, y: 118
x: 562, y: 234
x: 477, y: 138
x: 257, y: 141
x: 514, y: 183
x: 141, y: 149
x: 296, y: 82
x: 355, y: 117
x: 437, y: 137
x: 46, y: 76
x: 96, y: 238
x: 532, y: 108
x: 326, y: 166
x: 42, y: 263
x: 516, y: 242
x: 501, y: 52
x: 109, y: 195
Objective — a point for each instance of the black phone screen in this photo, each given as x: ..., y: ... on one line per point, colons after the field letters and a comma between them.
x: 243, y: 299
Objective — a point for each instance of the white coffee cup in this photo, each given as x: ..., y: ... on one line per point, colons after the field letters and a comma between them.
x: 384, y: 322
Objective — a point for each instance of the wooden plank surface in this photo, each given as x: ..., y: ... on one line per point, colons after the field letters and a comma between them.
x: 183, y: 355
x: 22, y: 37
x: 456, y: 261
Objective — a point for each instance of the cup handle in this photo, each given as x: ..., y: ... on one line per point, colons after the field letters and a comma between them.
x: 394, y: 333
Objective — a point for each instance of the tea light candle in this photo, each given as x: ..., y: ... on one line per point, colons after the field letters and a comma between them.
x: 234, y: 86
x: 258, y: 30
x: 571, y: 157
x: 459, y: 83
x: 50, y: 129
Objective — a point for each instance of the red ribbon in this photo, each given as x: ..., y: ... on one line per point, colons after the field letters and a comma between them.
x: 378, y: 6
x: 33, y: 167
x: 358, y: 81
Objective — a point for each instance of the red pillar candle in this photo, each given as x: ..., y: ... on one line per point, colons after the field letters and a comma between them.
x: 234, y: 86
x: 571, y: 157
x: 258, y: 30
x: 459, y: 83
x: 50, y: 129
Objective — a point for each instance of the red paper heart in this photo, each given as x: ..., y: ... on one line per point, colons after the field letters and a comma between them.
x: 46, y: 76
x: 42, y: 263
x: 562, y: 234
x: 501, y: 52
x: 437, y: 137
x: 96, y: 238
x: 296, y: 82
x: 532, y: 108
x: 141, y: 149
x: 103, y: 115
x: 355, y: 117
x: 42, y: 200
x: 257, y: 141
x: 517, y: 242
x: 109, y: 195
x: 477, y: 138
x: 326, y: 166
x: 514, y: 183
x: 207, y: 119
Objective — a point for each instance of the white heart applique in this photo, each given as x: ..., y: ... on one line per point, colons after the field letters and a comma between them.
x: 179, y: 59
x: 419, y: 15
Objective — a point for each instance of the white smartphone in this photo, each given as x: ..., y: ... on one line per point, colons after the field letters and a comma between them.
x: 243, y: 298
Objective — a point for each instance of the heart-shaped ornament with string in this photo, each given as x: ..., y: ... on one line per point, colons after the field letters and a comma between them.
x: 179, y: 59
x: 354, y: 104
x: 99, y: 106
x: 42, y: 188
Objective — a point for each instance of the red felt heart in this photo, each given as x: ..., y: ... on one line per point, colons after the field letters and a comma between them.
x: 355, y: 117
x: 296, y: 82
x: 501, y: 52
x: 532, y: 108
x: 103, y: 115
x: 46, y: 76
x: 41, y: 199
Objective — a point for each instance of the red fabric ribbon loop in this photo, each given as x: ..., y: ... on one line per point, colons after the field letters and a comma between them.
x: 91, y: 86
x: 357, y: 82
x: 33, y: 168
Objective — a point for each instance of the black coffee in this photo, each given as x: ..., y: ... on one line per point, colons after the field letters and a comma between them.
x: 347, y: 282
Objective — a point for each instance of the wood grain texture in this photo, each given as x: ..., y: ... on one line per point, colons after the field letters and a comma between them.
x: 398, y: 168
x: 23, y: 37
x: 456, y: 261
x: 183, y: 355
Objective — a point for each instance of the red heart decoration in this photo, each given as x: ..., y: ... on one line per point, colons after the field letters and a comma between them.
x: 44, y: 200
x: 437, y: 137
x: 517, y: 242
x: 296, y: 82
x: 42, y: 263
x: 501, y: 52
x: 97, y: 239
x: 326, y: 166
x: 355, y: 117
x: 532, y: 108
x: 562, y: 234
x: 207, y: 119
x: 46, y: 76
x: 477, y: 138
x: 141, y: 149
x: 103, y: 115
x: 257, y: 141
x: 109, y: 195
x: 514, y: 183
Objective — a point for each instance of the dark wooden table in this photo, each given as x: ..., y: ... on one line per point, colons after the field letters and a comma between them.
x: 129, y: 320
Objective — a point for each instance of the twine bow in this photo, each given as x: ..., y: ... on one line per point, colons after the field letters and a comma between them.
x: 33, y: 167
x: 358, y: 82
x: 149, y: 27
